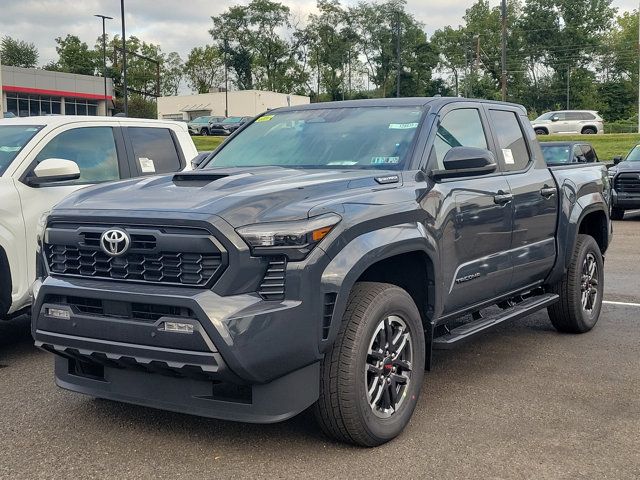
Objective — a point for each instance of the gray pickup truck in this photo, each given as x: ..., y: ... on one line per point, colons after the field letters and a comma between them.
x: 316, y: 259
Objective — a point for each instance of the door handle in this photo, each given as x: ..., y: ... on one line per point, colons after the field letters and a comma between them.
x: 501, y: 197
x: 547, y: 191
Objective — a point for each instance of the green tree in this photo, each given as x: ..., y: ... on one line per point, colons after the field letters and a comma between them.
x: 18, y: 53
x: 74, y: 56
x: 204, y: 68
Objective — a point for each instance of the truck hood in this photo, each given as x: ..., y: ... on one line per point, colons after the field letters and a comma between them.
x: 241, y: 196
x: 627, y: 167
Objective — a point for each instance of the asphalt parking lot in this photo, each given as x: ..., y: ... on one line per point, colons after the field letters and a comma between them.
x: 520, y: 402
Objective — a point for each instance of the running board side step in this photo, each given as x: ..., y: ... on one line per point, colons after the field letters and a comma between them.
x: 522, y: 309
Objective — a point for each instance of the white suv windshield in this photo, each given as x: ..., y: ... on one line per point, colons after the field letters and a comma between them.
x: 350, y: 137
x: 12, y: 139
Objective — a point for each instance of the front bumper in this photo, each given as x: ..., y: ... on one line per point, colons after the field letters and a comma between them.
x: 625, y: 200
x: 261, y: 350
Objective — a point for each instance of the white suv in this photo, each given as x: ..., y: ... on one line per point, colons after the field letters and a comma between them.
x: 569, y: 121
x: 43, y: 159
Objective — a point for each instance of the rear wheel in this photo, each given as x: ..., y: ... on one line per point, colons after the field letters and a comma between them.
x: 589, y: 131
x: 580, y: 289
x: 541, y: 131
x: 371, y: 378
x: 617, y: 213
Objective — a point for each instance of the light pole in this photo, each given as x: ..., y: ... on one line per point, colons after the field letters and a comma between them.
x: 104, y: 56
x: 124, y: 61
x: 503, y: 12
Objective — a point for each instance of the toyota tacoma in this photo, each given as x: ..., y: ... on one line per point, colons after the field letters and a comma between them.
x: 316, y: 259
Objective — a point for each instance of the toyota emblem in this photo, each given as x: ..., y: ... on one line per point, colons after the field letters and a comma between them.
x: 115, y: 242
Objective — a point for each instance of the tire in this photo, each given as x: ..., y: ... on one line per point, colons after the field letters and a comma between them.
x: 344, y: 409
x: 570, y: 314
x: 589, y: 131
x: 617, y: 213
x: 541, y: 131
x: 204, y: 132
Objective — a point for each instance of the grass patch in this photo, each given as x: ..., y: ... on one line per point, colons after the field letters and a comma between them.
x: 607, y: 146
x: 205, y: 144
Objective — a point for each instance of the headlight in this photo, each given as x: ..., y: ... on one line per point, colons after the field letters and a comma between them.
x: 41, y: 227
x: 612, y: 172
x: 293, y: 239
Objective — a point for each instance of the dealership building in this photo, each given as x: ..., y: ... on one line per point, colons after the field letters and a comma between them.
x: 238, y: 103
x: 26, y: 92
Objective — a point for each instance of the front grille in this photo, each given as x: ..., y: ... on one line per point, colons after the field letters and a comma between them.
x: 144, y: 312
x: 273, y: 283
x: 627, y: 182
x: 152, y: 257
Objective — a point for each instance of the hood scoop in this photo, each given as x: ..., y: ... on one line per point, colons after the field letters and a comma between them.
x: 196, y: 179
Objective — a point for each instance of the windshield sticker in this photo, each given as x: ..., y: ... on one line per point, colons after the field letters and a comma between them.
x: 9, y: 149
x: 147, y: 165
x: 403, y: 126
x: 265, y: 118
x: 508, y: 156
x: 343, y: 162
x: 385, y: 160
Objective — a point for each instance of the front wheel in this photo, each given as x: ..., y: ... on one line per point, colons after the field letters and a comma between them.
x: 371, y: 378
x: 617, y: 213
x: 541, y: 131
x: 204, y: 132
x: 580, y: 289
x: 589, y: 131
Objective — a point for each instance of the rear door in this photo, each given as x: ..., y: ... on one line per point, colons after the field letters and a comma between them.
x: 476, y: 213
x: 153, y: 150
x: 533, y: 246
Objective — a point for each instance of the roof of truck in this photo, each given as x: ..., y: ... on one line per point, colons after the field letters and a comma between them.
x: 66, y: 119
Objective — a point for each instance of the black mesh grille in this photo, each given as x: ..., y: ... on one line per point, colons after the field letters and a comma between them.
x: 628, y: 182
x: 273, y: 283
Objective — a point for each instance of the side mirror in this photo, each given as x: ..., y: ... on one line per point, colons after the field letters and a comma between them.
x: 54, y: 170
x: 466, y: 162
x: 582, y: 159
x: 555, y: 118
x: 198, y: 159
x: 617, y: 159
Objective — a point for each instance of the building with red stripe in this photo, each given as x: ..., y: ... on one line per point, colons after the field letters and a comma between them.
x: 26, y: 92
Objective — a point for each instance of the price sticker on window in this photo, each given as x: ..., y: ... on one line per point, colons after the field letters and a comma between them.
x: 508, y: 156
x: 147, y: 165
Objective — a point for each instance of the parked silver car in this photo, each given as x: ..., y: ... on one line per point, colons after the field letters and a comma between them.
x: 569, y: 121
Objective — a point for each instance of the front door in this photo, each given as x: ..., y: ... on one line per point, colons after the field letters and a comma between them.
x: 477, y: 217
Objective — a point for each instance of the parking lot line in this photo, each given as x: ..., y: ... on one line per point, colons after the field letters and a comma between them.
x: 626, y: 304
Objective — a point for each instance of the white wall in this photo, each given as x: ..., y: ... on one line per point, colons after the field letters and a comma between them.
x: 241, y: 103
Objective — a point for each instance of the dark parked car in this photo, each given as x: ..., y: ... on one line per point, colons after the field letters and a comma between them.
x: 201, y: 125
x: 560, y: 153
x: 316, y: 259
x: 228, y: 125
x: 625, y: 179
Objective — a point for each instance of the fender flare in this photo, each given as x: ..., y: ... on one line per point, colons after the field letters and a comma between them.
x: 352, y: 261
x: 5, y: 283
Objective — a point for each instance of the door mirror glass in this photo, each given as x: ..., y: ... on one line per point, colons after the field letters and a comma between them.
x: 54, y: 170
x: 466, y: 162
x: 617, y: 159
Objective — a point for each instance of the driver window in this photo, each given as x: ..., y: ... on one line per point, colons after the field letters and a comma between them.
x: 577, y: 153
x: 92, y: 148
x: 459, y: 128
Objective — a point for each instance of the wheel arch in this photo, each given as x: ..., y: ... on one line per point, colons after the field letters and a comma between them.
x: 5, y: 283
x: 592, y: 127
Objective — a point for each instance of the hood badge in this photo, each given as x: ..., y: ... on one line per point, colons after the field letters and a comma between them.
x: 115, y: 242
x: 387, y: 179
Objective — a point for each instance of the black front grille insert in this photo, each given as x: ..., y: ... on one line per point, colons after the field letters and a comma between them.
x: 154, y: 256
x: 273, y: 283
x: 627, y: 182
x: 145, y: 312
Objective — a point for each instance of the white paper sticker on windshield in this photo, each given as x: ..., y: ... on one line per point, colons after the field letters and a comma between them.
x: 147, y: 165
x: 508, y: 156
x: 385, y: 160
x: 343, y: 162
x: 403, y: 126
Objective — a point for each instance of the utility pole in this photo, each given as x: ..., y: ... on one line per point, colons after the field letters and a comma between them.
x: 104, y: 56
x: 226, y: 78
x: 639, y: 68
x: 568, y: 78
x: 398, y: 57
x: 124, y: 61
x: 504, y: 50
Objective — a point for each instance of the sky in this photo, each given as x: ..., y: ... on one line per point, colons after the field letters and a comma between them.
x: 176, y: 25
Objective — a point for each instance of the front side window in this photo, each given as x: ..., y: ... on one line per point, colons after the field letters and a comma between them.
x: 92, y: 148
x: 513, y: 147
x: 589, y: 153
x: 154, y: 150
x: 334, y: 138
x: 13, y: 138
x: 459, y: 128
x: 577, y: 154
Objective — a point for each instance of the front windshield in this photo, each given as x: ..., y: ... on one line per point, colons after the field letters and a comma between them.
x: 556, y: 154
x: 546, y: 116
x: 12, y: 139
x: 634, y: 155
x: 358, y: 137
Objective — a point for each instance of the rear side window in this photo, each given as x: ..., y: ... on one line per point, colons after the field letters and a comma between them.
x: 574, y: 116
x: 92, y: 148
x: 588, y: 116
x: 459, y: 128
x: 154, y: 150
x: 513, y: 147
